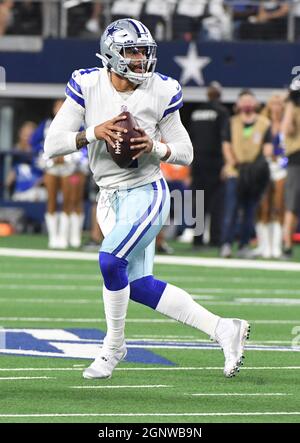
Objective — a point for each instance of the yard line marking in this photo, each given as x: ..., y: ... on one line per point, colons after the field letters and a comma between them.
x: 258, y: 291
x: 129, y: 320
x: 275, y: 322
x: 174, y: 260
x: 81, y: 301
x: 82, y: 320
x: 284, y: 301
x: 56, y: 276
x: 223, y: 278
x: 121, y: 387
x: 157, y: 368
x: 51, y: 287
x: 267, y: 394
x: 29, y: 276
x: 154, y: 414
x: 26, y: 378
x: 249, y: 301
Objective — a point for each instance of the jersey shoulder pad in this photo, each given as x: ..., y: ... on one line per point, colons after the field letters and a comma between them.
x: 80, y: 79
x: 170, y: 94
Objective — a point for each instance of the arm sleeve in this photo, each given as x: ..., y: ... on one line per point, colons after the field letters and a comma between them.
x: 61, y: 137
x: 176, y: 137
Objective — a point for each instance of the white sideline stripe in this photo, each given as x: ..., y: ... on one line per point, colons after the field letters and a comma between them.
x: 156, y: 414
x: 174, y: 260
x: 159, y: 368
x: 130, y: 320
x: 267, y: 394
x: 26, y: 378
x: 121, y: 387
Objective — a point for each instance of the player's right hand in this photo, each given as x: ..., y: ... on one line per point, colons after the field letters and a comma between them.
x: 110, y: 131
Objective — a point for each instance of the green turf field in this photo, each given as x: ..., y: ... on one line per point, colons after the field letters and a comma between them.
x: 173, y: 373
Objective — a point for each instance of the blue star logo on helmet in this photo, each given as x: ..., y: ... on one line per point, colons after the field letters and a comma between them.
x: 112, y: 30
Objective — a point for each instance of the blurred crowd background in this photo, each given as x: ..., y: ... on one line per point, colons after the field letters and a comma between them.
x: 168, y: 19
x: 247, y: 151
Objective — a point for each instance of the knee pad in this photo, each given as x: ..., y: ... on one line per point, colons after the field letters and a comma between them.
x: 147, y: 291
x: 114, y: 271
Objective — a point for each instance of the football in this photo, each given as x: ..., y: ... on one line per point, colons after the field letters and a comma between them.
x: 121, y: 152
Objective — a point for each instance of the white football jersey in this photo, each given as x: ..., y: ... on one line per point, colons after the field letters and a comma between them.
x: 149, y: 103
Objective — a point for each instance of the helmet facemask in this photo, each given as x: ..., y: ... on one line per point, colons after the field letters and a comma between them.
x: 137, y: 69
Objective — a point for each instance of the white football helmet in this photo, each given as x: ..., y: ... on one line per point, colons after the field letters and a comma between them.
x: 131, y: 35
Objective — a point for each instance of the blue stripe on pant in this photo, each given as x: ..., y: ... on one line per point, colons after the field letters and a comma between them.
x: 140, y: 215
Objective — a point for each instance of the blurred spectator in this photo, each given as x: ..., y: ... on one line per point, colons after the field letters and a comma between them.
x: 296, y: 13
x: 156, y: 15
x: 217, y: 24
x: 270, y: 23
x: 206, y: 129
x: 291, y: 134
x: 27, y: 18
x: 187, y: 19
x: 25, y: 179
x: 5, y: 15
x: 93, y: 24
x: 126, y: 8
x: 247, y: 140
x: 24, y: 134
x: 271, y: 208
x: 179, y: 180
x: 84, y: 18
x: 240, y: 14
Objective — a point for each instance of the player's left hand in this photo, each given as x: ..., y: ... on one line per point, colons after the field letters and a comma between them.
x: 143, y: 143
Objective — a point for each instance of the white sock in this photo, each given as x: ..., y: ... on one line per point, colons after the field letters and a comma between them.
x: 276, y: 239
x: 266, y: 240
x: 115, y: 306
x: 179, y: 305
x: 63, y: 230
x: 51, y: 223
x: 259, y: 236
x: 76, y: 223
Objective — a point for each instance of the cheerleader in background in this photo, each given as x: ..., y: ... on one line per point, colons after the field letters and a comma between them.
x: 271, y: 209
x: 77, y: 186
x: 59, y: 177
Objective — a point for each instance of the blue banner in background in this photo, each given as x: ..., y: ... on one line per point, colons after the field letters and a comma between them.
x: 238, y: 64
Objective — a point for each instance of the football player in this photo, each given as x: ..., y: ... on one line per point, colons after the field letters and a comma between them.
x: 134, y: 202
